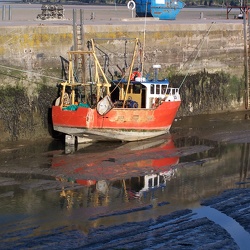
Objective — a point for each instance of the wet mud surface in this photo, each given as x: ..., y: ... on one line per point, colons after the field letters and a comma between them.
x: 186, y: 190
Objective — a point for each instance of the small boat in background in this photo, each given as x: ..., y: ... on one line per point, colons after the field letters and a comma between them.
x: 130, y: 108
x: 162, y: 9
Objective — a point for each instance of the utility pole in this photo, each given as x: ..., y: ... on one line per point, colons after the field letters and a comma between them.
x: 246, y: 65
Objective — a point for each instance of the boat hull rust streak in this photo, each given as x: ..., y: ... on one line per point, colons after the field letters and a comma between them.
x: 118, y: 123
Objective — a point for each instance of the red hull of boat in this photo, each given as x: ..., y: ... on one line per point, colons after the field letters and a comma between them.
x: 118, y: 118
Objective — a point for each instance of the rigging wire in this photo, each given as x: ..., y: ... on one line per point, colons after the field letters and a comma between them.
x: 105, y: 50
x: 196, y: 55
x: 26, y: 71
x: 111, y: 51
x: 106, y: 59
x: 40, y: 74
x: 122, y: 78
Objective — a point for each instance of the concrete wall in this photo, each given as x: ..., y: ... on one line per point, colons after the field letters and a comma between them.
x: 176, y: 45
x: 30, y: 62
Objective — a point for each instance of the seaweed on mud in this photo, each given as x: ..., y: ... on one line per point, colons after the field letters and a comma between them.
x: 15, y: 109
x: 22, y: 116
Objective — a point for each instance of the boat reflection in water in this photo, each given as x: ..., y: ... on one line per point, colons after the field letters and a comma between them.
x: 129, y: 171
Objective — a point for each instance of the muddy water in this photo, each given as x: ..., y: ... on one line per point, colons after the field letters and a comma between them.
x: 52, y: 196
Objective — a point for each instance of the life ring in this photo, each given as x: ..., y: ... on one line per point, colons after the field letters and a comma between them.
x: 134, y: 75
x: 131, y: 5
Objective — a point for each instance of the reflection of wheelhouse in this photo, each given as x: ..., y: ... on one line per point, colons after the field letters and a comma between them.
x: 150, y: 182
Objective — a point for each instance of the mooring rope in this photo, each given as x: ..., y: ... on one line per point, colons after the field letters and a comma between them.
x: 26, y: 71
x: 191, y: 65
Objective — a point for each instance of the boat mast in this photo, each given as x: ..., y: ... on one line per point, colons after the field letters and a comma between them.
x: 106, y: 83
x: 130, y: 70
x: 70, y: 81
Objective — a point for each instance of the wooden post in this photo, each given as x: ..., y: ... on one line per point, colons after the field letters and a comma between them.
x: 246, y: 69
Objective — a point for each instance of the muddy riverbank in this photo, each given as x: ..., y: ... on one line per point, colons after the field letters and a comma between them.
x: 187, y: 190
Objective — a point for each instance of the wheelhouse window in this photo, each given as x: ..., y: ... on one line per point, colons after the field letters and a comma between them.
x: 163, y: 89
x: 130, y: 89
x: 168, y: 92
x: 136, y: 88
x: 158, y: 89
x: 152, y: 89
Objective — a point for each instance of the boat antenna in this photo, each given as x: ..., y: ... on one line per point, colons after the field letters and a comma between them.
x: 144, y: 38
x: 89, y: 46
x: 191, y: 65
x: 125, y: 54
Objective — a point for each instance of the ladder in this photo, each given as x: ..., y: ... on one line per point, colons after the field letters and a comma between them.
x: 78, y: 44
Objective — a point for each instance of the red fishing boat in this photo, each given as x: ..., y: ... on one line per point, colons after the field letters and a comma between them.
x: 130, y: 108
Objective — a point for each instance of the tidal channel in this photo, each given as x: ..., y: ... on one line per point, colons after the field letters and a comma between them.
x: 54, y: 196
